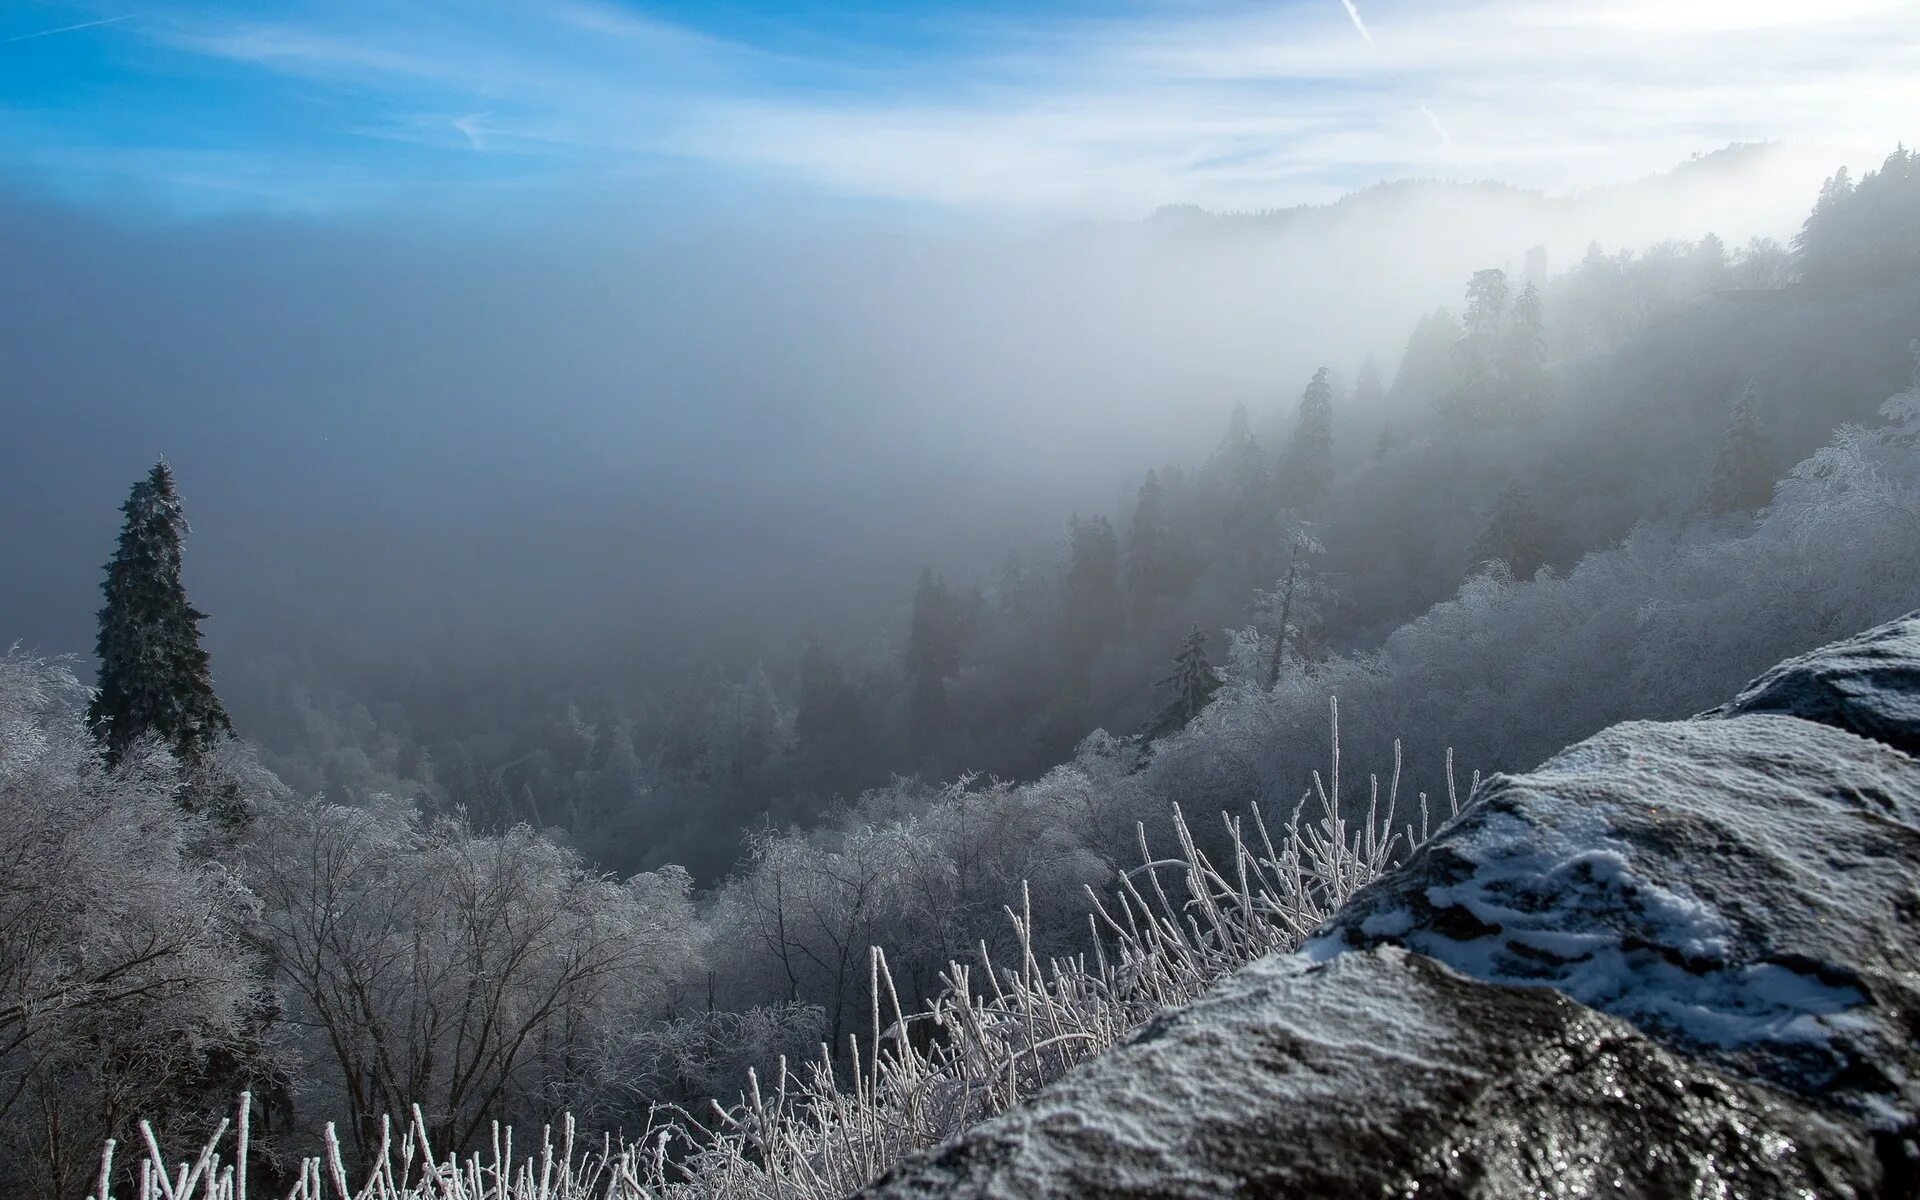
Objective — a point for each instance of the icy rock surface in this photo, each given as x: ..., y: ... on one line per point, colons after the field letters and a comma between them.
x: 1869, y: 685
x: 1742, y: 890
x: 1383, y: 1073
x: 1679, y: 959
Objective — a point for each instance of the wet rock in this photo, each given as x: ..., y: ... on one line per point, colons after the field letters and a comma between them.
x: 1868, y: 684
x: 1385, y: 1074
x: 1679, y: 959
x: 1741, y: 890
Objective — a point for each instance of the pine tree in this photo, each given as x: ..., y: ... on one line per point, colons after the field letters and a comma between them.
x: 1240, y: 471
x: 1486, y: 304
x: 1153, y: 561
x: 1389, y: 439
x: 1368, y: 391
x: 1865, y: 232
x: 934, y: 638
x: 1192, y: 683
x: 1524, y: 383
x: 1818, y: 247
x: 1307, y: 467
x: 1093, y: 613
x: 1535, y: 270
x: 1744, y: 468
x: 1479, y: 375
x: 1709, y: 263
x: 830, y: 724
x: 154, y: 675
x: 1292, y: 607
x: 686, y: 743
x: 1428, y: 363
x: 1514, y: 536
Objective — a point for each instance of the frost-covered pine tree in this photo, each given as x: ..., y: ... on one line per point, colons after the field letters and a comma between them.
x: 1192, y: 684
x: 1515, y: 535
x: 1306, y: 471
x: 154, y: 675
x: 1744, y: 468
x: 1294, y: 603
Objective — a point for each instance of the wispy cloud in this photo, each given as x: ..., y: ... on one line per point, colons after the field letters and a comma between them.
x: 1353, y: 14
x: 1236, y: 106
x: 74, y: 28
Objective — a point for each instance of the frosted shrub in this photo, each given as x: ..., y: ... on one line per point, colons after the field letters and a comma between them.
x: 122, y: 969
x: 1000, y: 1028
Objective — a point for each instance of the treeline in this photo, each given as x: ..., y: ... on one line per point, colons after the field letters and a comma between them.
x: 1684, y: 378
x: 1550, y: 519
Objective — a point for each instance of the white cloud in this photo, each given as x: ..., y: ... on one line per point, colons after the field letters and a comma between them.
x: 1251, y: 106
x: 1358, y: 24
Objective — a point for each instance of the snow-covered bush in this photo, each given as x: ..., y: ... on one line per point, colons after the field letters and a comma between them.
x: 1002, y: 1026
x: 123, y: 973
x: 1670, y: 621
x: 475, y: 975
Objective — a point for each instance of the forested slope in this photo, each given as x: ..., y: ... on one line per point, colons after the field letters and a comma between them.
x: 1612, y: 493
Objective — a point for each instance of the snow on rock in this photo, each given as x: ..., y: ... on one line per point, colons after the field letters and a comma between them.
x: 1678, y: 959
x: 1742, y: 889
x: 1869, y: 685
x: 1382, y: 1073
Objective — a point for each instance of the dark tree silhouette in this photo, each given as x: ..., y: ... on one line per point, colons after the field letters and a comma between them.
x: 155, y: 678
x: 1192, y: 684
x: 1744, y: 468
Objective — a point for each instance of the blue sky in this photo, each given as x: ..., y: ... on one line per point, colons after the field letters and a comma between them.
x: 324, y: 106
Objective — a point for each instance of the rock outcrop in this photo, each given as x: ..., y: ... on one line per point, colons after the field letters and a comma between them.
x: 1678, y: 959
x: 1869, y: 685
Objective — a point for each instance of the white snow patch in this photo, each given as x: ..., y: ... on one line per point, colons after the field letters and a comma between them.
x: 1573, y: 914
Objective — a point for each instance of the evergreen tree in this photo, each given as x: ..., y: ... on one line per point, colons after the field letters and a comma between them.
x: 1389, y: 440
x: 1295, y: 603
x: 744, y: 728
x: 828, y: 722
x: 1762, y: 265
x: 1241, y: 471
x: 686, y: 739
x: 1744, y: 468
x: 1307, y: 466
x: 1479, y: 374
x: 1709, y: 263
x: 934, y: 638
x: 1153, y: 561
x: 1093, y: 612
x: 1192, y: 684
x: 1515, y: 535
x: 1535, y: 270
x: 154, y: 675
x: 1524, y: 364
x: 1819, y: 246
x: 1368, y: 391
x: 1864, y: 233
x: 1428, y: 362
x: 1486, y: 304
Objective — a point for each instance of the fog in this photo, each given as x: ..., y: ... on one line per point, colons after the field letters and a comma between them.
x: 625, y: 617
x: 674, y: 435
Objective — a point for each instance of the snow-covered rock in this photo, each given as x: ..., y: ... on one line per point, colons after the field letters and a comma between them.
x: 1869, y: 685
x: 1382, y: 1073
x: 1679, y: 959
x: 1744, y: 890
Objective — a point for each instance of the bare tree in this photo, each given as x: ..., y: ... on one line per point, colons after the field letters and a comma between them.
x: 122, y: 972
x: 473, y: 974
